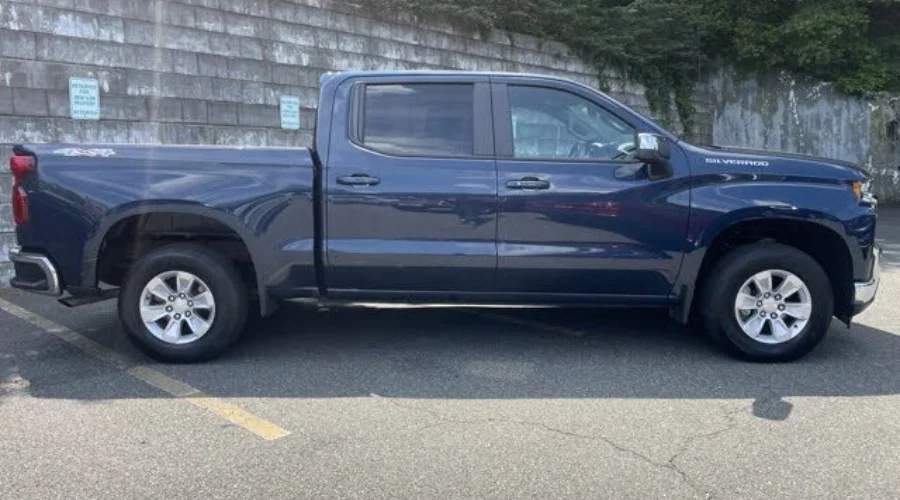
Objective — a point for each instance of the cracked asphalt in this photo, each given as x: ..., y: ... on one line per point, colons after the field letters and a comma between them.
x: 455, y: 403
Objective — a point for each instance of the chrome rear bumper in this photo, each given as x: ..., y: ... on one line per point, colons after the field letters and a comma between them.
x: 34, y: 273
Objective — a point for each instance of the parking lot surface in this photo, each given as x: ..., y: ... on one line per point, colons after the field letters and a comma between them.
x: 402, y: 402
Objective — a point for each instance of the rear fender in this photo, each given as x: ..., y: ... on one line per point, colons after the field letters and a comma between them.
x: 95, y: 241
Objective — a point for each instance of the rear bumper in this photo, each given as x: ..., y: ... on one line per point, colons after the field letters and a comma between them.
x: 34, y: 273
x: 864, y: 293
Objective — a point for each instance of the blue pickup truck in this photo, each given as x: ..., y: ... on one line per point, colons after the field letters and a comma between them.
x: 482, y: 188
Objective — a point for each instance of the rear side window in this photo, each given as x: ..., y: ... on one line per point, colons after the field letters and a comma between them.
x: 429, y: 119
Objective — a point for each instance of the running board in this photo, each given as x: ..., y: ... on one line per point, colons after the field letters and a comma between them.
x: 75, y: 301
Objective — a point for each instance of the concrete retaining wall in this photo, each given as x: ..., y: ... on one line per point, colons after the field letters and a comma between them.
x: 781, y: 112
x: 213, y: 71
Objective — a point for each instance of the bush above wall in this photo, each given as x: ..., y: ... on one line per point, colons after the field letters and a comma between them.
x: 668, y: 44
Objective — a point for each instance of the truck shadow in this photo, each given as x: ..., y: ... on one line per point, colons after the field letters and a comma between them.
x: 305, y: 352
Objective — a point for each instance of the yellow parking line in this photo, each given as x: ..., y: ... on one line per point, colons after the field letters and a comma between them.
x: 161, y: 381
x: 528, y: 322
x: 234, y: 414
x: 144, y: 373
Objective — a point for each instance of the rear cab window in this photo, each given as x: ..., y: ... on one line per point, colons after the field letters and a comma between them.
x: 417, y: 119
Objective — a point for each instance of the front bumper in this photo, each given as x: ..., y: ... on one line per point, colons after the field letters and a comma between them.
x: 34, y: 273
x: 864, y: 293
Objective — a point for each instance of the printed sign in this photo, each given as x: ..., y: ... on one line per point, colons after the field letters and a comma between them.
x: 290, y: 112
x: 84, y: 98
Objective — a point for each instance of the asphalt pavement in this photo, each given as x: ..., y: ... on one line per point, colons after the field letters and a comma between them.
x: 448, y: 403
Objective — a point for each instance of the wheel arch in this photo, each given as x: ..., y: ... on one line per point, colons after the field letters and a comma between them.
x: 815, y: 233
x: 95, y: 244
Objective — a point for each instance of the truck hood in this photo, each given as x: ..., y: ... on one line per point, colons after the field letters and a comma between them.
x: 782, y: 162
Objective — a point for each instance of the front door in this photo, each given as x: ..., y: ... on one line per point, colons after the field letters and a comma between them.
x: 411, y: 203
x: 578, y: 215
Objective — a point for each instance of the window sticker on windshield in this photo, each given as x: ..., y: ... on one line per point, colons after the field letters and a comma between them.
x: 101, y: 152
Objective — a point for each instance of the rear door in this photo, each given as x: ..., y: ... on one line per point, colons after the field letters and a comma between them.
x: 411, y: 187
x: 578, y: 215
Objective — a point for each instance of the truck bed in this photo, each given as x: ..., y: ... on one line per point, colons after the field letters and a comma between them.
x: 81, y: 192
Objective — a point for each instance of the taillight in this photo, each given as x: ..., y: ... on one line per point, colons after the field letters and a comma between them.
x: 20, y: 205
x: 21, y: 167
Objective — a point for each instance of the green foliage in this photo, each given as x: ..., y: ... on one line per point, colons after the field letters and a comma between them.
x: 667, y: 44
x: 853, y: 43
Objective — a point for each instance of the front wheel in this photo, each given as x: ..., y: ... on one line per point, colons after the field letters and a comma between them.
x: 183, y: 303
x: 767, y: 302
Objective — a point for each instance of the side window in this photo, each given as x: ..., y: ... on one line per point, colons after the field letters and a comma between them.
x: 554, y: 124
x: 429, y: 119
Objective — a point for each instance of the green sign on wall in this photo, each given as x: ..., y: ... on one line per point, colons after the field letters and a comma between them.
x: 84, y: 98
x: 290, y: 112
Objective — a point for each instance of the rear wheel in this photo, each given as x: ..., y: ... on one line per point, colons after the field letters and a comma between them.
x: 767, y: 302
x: 183, y: 303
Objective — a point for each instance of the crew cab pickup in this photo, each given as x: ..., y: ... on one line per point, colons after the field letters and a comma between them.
x: 477, y: 188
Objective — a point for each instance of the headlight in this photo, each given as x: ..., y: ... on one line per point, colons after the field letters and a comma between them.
x: 863, y: 191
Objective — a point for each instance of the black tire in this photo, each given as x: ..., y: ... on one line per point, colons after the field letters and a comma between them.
x: 723, y: 285
x: 224, y: 282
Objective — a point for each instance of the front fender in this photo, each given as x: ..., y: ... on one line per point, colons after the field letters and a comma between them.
x: 719, y: 202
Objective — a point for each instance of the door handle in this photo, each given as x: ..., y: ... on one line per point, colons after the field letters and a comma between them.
x: 528, y: 183
x: 358, y: 180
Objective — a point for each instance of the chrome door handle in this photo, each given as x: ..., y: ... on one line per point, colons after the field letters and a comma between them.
x: 358, y: 180
x: 528, y: 183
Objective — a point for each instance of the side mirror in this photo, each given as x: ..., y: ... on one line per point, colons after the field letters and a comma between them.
x: 651, y: 148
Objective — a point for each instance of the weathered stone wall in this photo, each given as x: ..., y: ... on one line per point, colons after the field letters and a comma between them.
x: 213, y: 71
x: 781, y: 112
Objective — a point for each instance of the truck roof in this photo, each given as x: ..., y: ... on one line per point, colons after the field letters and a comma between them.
x: 352, y: 74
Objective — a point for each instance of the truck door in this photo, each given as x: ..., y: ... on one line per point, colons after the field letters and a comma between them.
x: 578, y: 215
x: 411, y: 187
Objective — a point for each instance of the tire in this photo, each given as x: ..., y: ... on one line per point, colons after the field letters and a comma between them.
x: 208, y: 327
x: 786, y: 338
